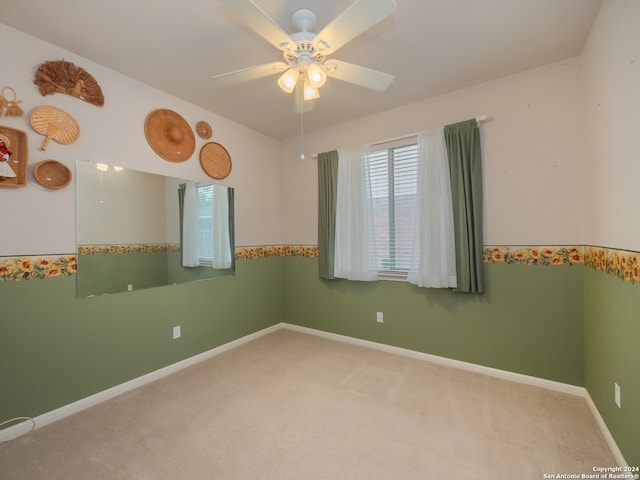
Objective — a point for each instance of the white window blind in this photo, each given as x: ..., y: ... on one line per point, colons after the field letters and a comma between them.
x: 392, y: 169
x: 204, y: 200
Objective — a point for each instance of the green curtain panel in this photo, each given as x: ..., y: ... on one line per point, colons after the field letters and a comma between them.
x: 181, y: 191
x: 327, y: 194
x: 465, y: 165
x: 232, y: 227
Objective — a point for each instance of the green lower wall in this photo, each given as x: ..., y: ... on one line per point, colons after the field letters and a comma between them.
x: 103, y: 273
x: 529, y: 321
x: 612, y: 340
x: 56, y: 349
x: 567, y: 323
x: 106, y: 272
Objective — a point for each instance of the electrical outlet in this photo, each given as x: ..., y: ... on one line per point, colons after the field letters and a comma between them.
x: 129, y: 287
x: 379, y: 317
x: 176, y: 332
x: 616, y: 388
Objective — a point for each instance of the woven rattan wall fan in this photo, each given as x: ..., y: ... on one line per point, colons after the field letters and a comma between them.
x: 305, y: 53
x: 65, y: 77
x: 55, y: 124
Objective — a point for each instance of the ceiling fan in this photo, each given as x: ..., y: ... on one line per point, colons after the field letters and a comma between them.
x: 305, y: 53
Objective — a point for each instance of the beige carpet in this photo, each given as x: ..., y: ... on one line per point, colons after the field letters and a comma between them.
x: 295, y: 406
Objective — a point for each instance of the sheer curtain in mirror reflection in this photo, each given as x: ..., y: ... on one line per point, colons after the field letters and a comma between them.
x: 132, y: 229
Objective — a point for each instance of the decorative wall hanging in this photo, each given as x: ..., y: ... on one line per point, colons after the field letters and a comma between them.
x: 169, y: 135
x: 64, y: 77
x: 13, y: 157
x: 55, y: 124
x: 52, y: 174
x: 215, y: 160
x: 11, y: 108
x: 203, y: 129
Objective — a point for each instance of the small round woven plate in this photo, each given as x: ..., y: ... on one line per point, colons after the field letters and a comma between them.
x: 52, y: 174
x: 215, y: 160
x: 203, y: 129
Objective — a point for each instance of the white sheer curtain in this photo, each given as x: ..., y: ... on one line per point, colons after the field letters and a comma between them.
x: 221, y: 247
x: 190, y: 233
x: 354, y: 218
x: 433, y: 261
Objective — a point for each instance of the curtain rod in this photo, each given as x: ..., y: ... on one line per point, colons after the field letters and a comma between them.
x: 479, y: 119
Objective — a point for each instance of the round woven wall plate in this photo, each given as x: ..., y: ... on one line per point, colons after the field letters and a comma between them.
x: 52, y: 174
x: 215, y: 160
x: 203, y: 129
x: 169, y: 135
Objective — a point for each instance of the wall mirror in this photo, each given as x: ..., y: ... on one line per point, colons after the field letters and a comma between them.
x: 140, y: 230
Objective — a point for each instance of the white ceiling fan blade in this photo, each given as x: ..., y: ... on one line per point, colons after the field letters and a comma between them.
x: 251, y: 73
x: 251, y: 15
x: 365, y: 77
x: 360, y: 16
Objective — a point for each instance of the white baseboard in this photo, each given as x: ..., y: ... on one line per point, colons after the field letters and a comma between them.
x: 606, y: 434
x: 448, y: 362
x: 22, y: 428
x: 494, y: 372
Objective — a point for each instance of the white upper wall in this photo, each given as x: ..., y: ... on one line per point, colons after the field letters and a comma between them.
x: 37, y: 220
x: 536, y: 176
x: 532, y: 155
x: 611, y: 73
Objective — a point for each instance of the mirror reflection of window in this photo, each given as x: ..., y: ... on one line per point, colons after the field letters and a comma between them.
x: 205, y: 226
x: 130, y: 230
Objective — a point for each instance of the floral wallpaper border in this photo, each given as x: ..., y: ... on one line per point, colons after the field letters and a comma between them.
x: 309, y: 251
x: 25, y: 268
x: 128, y: 248
x: 621, y: 264
x: 241, y: 252
x: 528, y: 255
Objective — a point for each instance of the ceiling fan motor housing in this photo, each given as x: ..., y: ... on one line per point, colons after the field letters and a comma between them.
x: 304, y: 20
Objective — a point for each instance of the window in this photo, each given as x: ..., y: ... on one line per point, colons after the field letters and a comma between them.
x: 392, y: 169
x: 393, y: 212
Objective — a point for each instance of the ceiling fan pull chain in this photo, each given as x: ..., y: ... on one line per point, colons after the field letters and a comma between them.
x: 302, y: 125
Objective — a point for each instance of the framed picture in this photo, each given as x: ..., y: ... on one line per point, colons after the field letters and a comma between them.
x: 13, y: 157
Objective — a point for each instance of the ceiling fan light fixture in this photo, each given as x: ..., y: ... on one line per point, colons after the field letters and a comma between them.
x: 309, y: 91
x: 316, y: 76
x: 288, y: 80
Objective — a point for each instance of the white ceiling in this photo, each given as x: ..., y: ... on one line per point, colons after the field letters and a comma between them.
x: 431, y: 46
